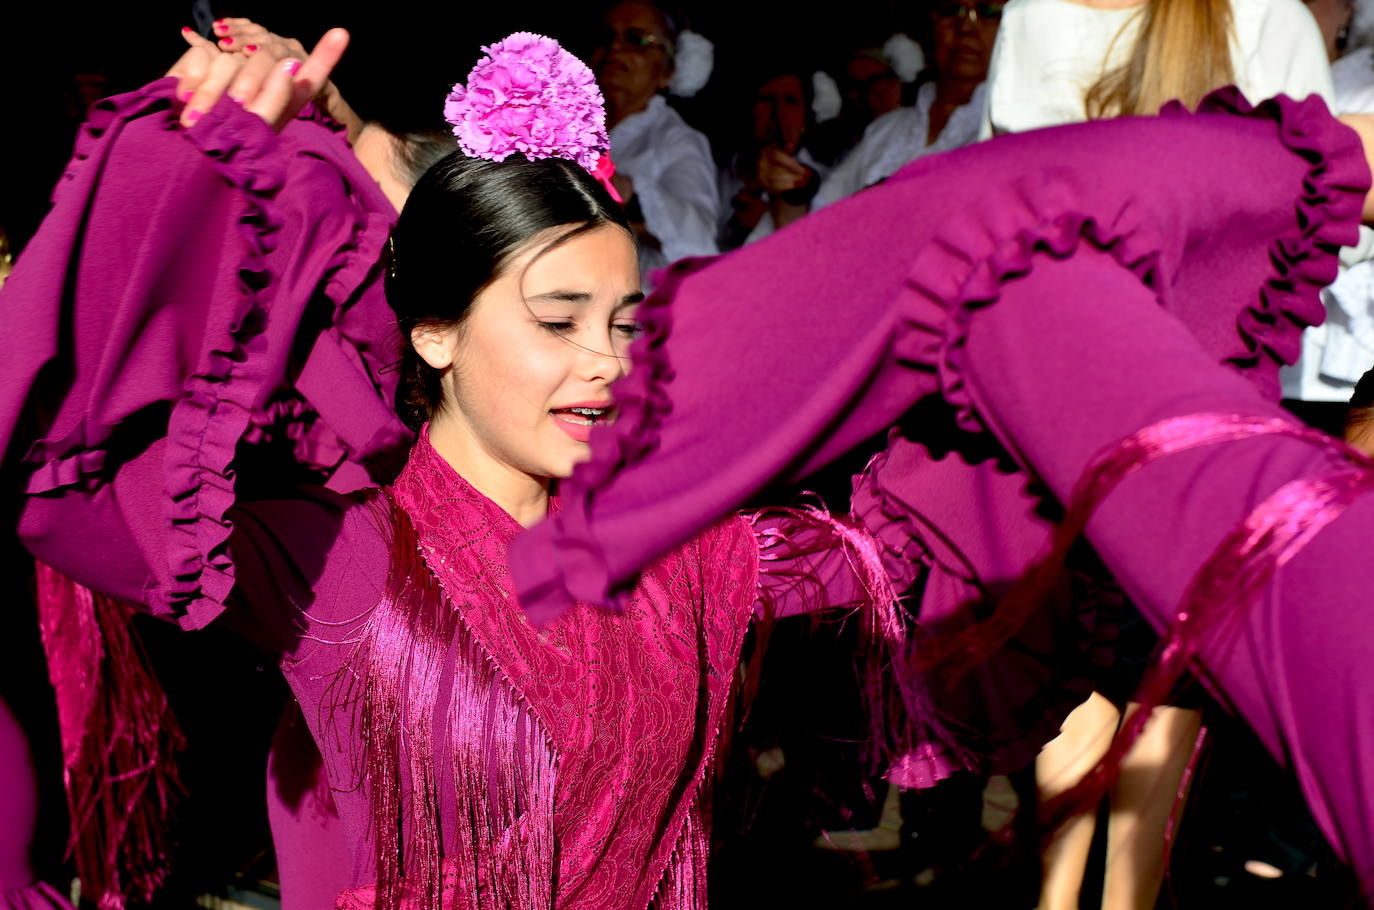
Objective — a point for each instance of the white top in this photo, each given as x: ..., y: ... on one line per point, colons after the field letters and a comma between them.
x: 1337, y: 353
x: 1050, y: 52
x: 675, y: 181
x: 897, y: 138
x: 1353, y: 76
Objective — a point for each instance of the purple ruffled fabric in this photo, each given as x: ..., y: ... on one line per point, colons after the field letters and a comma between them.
x: 197, y: 291
x: 786, y: 354
x: 805, y: 385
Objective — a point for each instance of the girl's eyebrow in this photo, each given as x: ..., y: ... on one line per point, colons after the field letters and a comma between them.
x: 563, y: 296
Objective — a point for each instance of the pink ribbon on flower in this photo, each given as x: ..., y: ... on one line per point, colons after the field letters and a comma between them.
x: 603, y: 172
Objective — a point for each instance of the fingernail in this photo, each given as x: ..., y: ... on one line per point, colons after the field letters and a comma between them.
x: 186, y: 29
x: 250, y: 48
x: 226, y: 41
x: 191, y: 116
x: 220, y: 26
x: 237, y: 99
x: 292, y: 67
x: 186, y: 96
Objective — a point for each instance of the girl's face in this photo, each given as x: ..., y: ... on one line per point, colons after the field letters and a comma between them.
x: 780, y: 113
x: 528, y: 373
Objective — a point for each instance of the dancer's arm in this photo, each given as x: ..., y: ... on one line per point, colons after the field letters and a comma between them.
x: 1297, y: 666
x: 201, y: 291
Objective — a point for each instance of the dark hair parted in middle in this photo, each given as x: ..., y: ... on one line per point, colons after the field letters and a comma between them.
x: 463, y: 221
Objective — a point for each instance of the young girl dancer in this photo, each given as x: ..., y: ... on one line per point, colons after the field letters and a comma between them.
x: 473, y: 759
x: 477, y: 758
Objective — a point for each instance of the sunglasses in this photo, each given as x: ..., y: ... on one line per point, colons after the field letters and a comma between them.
x: 981, y: 12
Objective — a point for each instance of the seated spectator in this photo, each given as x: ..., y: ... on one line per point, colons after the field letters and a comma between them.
x: 949, y: 103
x: 773, y: 166
x: 664, y: 170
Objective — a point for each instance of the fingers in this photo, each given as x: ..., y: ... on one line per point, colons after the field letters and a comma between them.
x: 274, y: 90
x: 223, y: 69
x: 252, y: 77
x: 275, y: 102
x: 194, y: 39
x: 191, y: 69
x: 314, y: 73
x: 1363, y: 125
x: 779, y: 171
x: 239, y: 35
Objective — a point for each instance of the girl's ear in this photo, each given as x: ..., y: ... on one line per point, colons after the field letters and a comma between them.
x: 436, y: 346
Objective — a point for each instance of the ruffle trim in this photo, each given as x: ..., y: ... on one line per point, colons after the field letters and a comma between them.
x: 218, y: 409
x: 207, y: 424
x: 1305, y: 261
x: 961, y: 281
x: 1328, y: 217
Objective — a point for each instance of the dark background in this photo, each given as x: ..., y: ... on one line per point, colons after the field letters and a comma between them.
x: 59, y: 57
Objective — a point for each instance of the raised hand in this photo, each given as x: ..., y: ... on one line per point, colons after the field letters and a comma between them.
x: 271, y: 86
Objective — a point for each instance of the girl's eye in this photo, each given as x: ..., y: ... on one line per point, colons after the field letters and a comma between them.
x: 629, y: 329
x: 558, y: 327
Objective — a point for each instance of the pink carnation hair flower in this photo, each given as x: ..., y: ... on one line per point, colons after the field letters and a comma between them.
x: 529, y: 95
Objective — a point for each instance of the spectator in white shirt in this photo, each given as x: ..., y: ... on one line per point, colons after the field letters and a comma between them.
x: 664, y: 169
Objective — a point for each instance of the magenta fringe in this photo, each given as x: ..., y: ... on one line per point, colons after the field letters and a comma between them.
x: 412, y: 713
x: 119, y: 742
x: 910, y: 741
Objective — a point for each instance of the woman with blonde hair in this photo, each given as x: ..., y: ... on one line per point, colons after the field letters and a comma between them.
x: 1061, y: 61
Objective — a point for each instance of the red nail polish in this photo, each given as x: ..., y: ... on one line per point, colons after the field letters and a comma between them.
x: 186, y: 96
x: 292, y: 67
x: 251, y: 48
x: 192, y: 115
x: 226, y: 41
x: 186, y: 29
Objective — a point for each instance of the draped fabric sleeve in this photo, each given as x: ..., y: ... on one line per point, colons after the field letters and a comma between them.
x: 1050, y: 293
x: 759, y: 367
x: 199, y: 315
x: 1295, y: 660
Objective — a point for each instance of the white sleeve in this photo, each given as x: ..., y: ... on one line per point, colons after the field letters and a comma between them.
x: 682, y: 206
x: 986, y: 130
x: 856, y: 171
x: 1283, y: 51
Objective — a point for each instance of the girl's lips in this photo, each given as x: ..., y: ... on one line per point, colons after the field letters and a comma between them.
x: 580, y: 426
x: 579, y: 429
